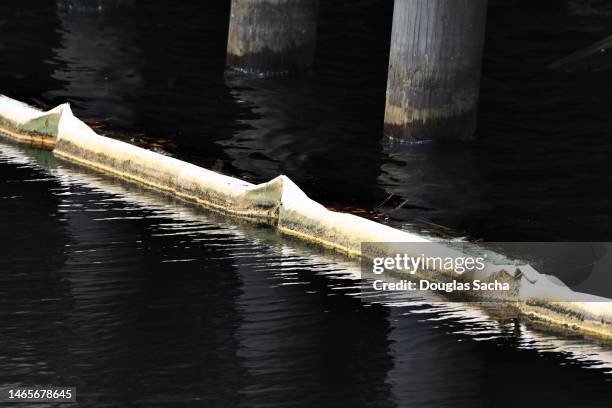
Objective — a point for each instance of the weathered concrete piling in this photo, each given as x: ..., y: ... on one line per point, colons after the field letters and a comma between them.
x: 272, y: 37
x: 434, y: 68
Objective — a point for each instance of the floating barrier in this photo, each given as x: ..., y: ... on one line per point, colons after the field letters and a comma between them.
x: 534, y: 296
x: 25, y: 124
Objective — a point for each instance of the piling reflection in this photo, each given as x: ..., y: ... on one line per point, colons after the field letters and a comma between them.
x: 98, y: 60
x: 419, y: 180
x: 273, y: 139
x: 279, y: 136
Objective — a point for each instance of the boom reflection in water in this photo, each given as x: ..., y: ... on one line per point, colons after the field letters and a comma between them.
x: 161, y: 267
x: 140, y: 299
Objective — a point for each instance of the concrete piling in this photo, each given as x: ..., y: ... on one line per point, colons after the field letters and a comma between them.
x: 434, y: 69
x: 271, y: 38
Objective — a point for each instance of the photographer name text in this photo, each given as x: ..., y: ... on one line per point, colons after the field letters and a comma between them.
x: 452, y: 286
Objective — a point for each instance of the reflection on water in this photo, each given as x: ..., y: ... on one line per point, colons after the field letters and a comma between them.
x: 143, y: 300
x: 99, y: 57
x: 420, y: 187
x: 138, y: 298
x: 276, y: 139
x: 534, y: 174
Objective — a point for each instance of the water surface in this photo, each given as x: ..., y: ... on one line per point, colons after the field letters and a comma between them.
x: 141, y: 300
x: 155, y: 73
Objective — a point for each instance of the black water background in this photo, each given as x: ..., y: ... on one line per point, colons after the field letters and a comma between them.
x: 89, y: 296
x: 140, y: 300
x: 537, y: 172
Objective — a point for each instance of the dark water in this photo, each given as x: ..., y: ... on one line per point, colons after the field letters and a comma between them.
x: 538, y: 171
x: 142, y: 301
x: 138, y: 300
